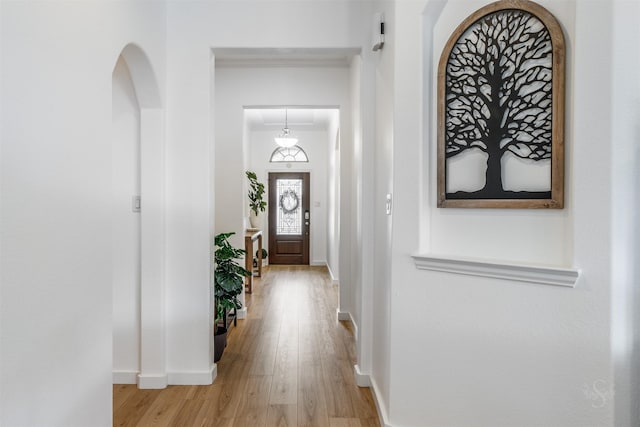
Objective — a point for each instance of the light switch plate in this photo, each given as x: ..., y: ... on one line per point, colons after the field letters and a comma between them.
x: 135, y: 203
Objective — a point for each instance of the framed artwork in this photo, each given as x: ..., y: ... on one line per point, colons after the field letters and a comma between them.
x: 501, y: 84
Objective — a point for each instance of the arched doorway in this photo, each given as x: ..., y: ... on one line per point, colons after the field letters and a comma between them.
x: 138, y: 221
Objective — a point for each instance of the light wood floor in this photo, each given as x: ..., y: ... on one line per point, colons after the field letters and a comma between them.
x: 290, y: 363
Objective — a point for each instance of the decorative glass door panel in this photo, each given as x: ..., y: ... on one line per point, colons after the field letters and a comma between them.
x: 290, y: 196
x: 289, y: 218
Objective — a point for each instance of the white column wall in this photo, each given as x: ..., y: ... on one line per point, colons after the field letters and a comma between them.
x: 363, y: 314
x: 126, y: 227
x: 333, y: 196
x: 153, y: 367
x: 384, y: 167
x: 56, y: 296
x: 189, y: 213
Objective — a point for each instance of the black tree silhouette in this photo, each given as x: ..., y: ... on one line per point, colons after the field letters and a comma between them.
x: 498, y: 94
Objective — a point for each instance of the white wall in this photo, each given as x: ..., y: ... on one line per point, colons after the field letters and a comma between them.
x: 314, y: 143
x: 486, y: 352
x: 56, y: 310
x: 194, y: 28
x: 532, y: 236
x: 126, y: 226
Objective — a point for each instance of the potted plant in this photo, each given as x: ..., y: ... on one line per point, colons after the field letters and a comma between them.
x: 257, y: 204
x: 229, y: 281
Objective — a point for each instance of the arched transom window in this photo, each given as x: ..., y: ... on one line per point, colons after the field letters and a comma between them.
x: 289, y: 154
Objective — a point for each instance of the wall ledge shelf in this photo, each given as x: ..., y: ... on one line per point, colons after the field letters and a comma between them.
x: 542, y: 275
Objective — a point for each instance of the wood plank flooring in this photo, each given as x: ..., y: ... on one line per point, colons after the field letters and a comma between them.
x: 289, y: 363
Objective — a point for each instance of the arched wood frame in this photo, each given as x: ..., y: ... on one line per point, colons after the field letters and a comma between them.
x: 556, y: 199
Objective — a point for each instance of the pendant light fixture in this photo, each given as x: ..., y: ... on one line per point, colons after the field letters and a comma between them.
x: 285, y: 138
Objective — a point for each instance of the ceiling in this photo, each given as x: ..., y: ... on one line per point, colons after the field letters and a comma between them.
x: 298, y: 118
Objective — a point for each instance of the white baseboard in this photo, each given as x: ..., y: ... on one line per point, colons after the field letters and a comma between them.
x: 382, y: 412
x: 152, y: 381
x: 318, y: 263
x: 362, y: 380
x: 194, y: 378
x: 242, y: 313
x: 365, y: 380
x: 334, y: 278
x: 343, y: 315
x: 161, y: 381
x: 125, y: 377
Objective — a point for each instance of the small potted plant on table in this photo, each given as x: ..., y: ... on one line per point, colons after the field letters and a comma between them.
x: 257, y: 205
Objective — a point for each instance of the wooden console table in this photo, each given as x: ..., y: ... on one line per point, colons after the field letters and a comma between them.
x: 250, y: 237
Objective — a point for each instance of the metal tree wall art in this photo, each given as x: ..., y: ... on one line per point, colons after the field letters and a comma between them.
x: 501, y: 110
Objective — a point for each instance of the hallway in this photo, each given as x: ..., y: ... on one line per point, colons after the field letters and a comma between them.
x: 289, y: 363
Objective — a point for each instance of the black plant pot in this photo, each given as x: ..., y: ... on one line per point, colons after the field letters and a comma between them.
x: 265, y: 254
x: 219, y: 343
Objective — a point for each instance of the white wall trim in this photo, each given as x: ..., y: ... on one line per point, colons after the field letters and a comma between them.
x: 382, y: 413
x: 343, y: 315
x: 194, y: 378
x: 125, y: 377
x: 318, y: 263
x: 362, y: 380
x: 538, y: 274
x: 173, y: 378
x: 242, y: 313
x: 152, y: 381
x: 334, y: 279
x: 365, y: 380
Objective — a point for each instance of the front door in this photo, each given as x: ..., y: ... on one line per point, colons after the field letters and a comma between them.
x: 289, y: 218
